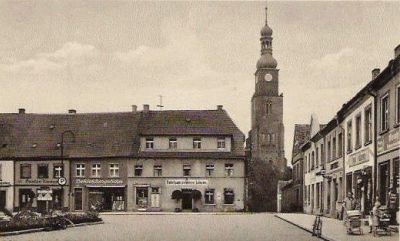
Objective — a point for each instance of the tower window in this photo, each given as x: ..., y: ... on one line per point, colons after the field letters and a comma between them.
x: 268, y: 107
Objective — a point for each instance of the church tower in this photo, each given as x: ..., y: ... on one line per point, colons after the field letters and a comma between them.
x: 267, y: 130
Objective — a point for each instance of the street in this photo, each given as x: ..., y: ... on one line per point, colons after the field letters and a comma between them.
x: 178, y: 227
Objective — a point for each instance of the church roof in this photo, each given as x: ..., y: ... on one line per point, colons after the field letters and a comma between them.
x: 301, y: 136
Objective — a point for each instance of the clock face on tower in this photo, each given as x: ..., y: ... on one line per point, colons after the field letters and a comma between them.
x: 268, y: 77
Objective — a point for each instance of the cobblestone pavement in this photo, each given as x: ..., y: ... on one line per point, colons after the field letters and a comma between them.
x: 334, y: 229
x: 240, y: 227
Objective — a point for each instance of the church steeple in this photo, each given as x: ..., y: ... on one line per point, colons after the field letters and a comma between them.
x: 266, y: 60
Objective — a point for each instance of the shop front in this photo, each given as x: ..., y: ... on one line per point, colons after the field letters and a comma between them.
x: 101, y: 194
x: 6, y: 185
x: 359, y: 179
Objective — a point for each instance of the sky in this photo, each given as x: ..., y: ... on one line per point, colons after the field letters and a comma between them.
x: 104, y: 56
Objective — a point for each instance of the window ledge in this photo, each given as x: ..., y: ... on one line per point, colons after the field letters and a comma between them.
x: 384, y: 131
x: 210, y: 204
x: 226, y: 204
x: 367, y: 143
x: 357, y: 147
x: 349, y: 151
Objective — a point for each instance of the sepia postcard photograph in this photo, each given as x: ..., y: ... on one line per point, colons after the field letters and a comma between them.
x: 125, y: 120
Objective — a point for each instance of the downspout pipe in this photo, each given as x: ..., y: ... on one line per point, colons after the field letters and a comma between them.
x: 372, y: 93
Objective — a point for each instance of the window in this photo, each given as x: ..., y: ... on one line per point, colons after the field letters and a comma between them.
x: 398, y: 104
x: 149, y: 143
x: 138, y: 170
x: 186, y: 170
x: 0, y: 173
x: 157, y: 170
x: 173, y: 143
x: 340, y: 145
x: 368, y: 124
x: 316, y: 157
x: 385, y: 113
x: 142, y: 194
x: 328, y: 151
x: 228, y: 169
x: 114, y: 170
x: 333, y: 148
x: 305, y: 161
x: 80, y: 170
x: 229, y: 196
x: 312, y: 160
x: 358, y: 131
x: 349, y: 136
x: 96, y: 168
x: 322, y: 153
x: 196, y: 143
x: 209, y: 196
x: 221, y: 143
x: 268, y: 107
x: 58, y: 171
x: 209, y: 169
x: 43, y: 171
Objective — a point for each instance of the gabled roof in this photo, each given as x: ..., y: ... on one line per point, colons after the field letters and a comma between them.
x: 187, y: 122
x: 301, y: 136
x: 96, y: 134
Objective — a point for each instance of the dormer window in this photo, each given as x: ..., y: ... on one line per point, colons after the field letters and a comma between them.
x: 196, y: 143
x: 173, y: 143
x: 221, y: 143
x: 149, y: 143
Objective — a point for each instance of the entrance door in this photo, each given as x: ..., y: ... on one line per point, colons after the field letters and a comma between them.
x: 2, y: 200
x: 384, y: 182
x: 155, y: 197
x: 186, y: 199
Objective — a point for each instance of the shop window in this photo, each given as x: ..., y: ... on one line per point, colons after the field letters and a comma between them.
x: 25, y: 196
x: 43, y: 171
x: 228, y: 169
x: 196, y: 143
x: 138, y: 170
x: 210, y: 169
x: 78, y: 199
x: 349, y: 136
x: 80, y: 170
x: 96, y: 169
x: 114, y: 170
x: 149, y: 143
x: 221, y: 143
x: 368, y: 124
x: 157, y: 170
x: 186, y: 170
x: 358, y: 131
x: 209, y: 196
x: 385, y: 113
x: 142, y: 194
x: 173, y: 143
x: 384, y: 182
x: 229, y: 196
x: 58, y: 171
x: 340, y: 145
x: 25, y: 170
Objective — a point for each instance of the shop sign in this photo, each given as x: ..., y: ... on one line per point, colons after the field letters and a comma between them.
x: 38, y: 181
x: 389, y: 141
x: 6, y: 184
x: 186, y: 182
x: 358, y: 158
x: 44, y: 195
x: 98, y: 181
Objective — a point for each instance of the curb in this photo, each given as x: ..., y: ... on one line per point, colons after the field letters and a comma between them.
x: 323, y: 237
x: 35, y: 230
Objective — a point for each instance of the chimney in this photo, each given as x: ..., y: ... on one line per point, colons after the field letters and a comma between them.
x: 397, y: 51
x: 220, y: 107
x: 134, y: 108
x: 21, y: 111
x: 146, y: 108
x: 375, y: 72
x: 71, y: 111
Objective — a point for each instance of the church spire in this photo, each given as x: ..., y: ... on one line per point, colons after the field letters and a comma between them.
x: 266, y: 60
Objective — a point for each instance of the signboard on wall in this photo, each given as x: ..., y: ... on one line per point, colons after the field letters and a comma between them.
x: 38, y: 181
x: 389, y: 141
x: 186, y: 182
x: 359, y: 157
x: 98, y: 181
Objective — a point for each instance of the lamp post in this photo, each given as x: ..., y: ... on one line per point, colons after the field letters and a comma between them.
x: 62, y: 180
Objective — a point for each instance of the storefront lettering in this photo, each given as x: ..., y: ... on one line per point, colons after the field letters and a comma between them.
x: 38, y: 181
x: 389, y: 141
x: 186, y: 182
x: 5, y: 183
x: 99, y: 181
x: 359, y: 158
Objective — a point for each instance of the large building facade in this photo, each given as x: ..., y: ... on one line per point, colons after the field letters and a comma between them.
x: 131, y: 161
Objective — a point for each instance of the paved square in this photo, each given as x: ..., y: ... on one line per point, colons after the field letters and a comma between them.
x: 230, y: 227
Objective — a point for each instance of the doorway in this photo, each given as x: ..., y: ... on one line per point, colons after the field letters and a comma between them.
x: 186, y: 199
x: 2, y: 200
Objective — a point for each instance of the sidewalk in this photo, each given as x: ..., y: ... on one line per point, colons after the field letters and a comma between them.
x: 332, y: 229
x: 172, y: 213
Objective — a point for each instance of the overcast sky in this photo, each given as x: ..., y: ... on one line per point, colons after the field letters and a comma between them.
x: 101, y: 56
